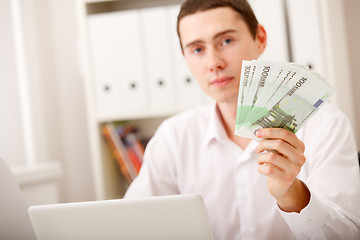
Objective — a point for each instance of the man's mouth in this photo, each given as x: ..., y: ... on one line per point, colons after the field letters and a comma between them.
x: 221, y: 81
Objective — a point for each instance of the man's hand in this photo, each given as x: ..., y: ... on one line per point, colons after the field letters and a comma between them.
x: 281, y: 163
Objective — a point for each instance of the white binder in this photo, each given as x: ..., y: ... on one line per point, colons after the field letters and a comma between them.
x: 274, y: 22
x: 116, y: 54
x: 188, y: 90
x: 158, y: 75
x: 305, y: 34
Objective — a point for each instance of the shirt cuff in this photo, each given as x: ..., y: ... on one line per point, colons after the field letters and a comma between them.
x: 310, y: 219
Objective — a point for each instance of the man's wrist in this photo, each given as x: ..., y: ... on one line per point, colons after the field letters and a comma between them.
x: 296, y: 198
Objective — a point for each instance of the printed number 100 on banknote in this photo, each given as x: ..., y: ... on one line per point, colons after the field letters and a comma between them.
x: 278, y: 95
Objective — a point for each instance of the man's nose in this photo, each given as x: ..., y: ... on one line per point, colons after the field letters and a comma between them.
x: 216, y: 61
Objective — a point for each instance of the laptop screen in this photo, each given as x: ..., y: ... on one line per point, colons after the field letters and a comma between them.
x: 164, y: 217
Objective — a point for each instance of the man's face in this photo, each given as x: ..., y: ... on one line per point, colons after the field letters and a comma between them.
x: 215, y: 42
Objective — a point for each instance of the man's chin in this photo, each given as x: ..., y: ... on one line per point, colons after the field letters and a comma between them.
x: 226, y: 99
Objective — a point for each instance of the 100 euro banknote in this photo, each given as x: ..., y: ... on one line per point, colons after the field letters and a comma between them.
x: 288, y: 98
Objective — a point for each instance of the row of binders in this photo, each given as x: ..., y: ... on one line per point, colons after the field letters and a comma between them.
x: 126, y: 148
x: 136, y: 63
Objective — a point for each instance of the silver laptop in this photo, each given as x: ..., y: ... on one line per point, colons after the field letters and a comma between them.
x: 166, y: 217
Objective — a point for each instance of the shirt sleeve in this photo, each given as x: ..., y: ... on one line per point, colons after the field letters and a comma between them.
x: 331, y: 173
x: 158, y: 174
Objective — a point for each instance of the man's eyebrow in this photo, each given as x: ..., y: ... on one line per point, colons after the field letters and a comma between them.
x: 224, y: 32
x: 193, y: 43
x: 219, y: 34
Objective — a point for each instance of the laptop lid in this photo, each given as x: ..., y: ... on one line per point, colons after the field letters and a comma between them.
x: 164, y: 217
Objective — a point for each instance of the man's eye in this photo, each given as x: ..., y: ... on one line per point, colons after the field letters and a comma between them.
x: 226, y: 41
x: 197, y: 50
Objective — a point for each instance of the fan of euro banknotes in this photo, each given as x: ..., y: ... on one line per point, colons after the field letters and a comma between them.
x: 278, y: 95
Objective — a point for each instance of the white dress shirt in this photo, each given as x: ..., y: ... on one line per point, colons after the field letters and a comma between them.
x: 191, y: 153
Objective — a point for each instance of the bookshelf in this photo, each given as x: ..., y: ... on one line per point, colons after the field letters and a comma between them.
x: 135, y: 89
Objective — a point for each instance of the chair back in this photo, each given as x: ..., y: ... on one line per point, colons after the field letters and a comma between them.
x: 14, y: 219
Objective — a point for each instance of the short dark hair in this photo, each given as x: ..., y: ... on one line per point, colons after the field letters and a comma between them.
x: 241, y: 6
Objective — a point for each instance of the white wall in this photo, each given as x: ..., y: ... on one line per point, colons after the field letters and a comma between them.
x: 41, y: 98
x: 12, y: 137
x: 337, y: 58
x: 352, y: 20
x: 23, y: 143
x: 70, y: 144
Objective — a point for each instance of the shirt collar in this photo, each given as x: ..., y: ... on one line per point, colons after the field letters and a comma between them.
x: 215, y: 128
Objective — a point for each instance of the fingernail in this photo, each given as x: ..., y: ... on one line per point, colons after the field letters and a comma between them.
x: 258, y: 133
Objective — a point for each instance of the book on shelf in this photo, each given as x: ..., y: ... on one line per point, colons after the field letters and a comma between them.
x: 126, y: 149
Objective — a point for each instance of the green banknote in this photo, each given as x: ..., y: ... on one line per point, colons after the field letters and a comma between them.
x: 246, y: 76
x: 266, y: 73
x: 289, y: 97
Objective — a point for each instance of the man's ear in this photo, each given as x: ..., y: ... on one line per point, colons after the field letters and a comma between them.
x: 261, y: 38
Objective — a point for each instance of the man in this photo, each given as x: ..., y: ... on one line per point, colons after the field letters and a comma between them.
x: 289, y: 193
